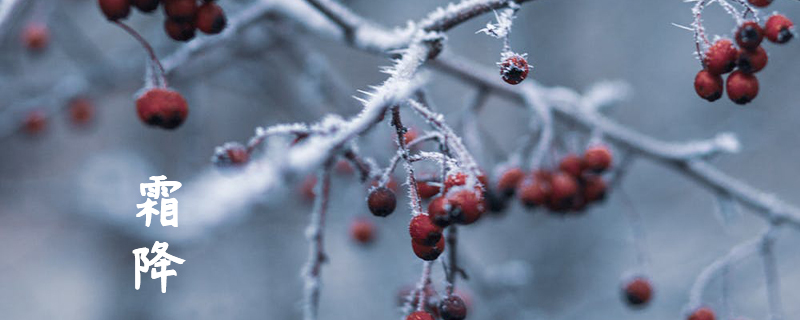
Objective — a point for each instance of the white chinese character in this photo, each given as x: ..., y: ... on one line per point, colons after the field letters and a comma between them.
x: 169, y: 206
x: 161, y: 260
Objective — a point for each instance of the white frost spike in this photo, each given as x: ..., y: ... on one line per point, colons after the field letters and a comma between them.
x: 502, y: 28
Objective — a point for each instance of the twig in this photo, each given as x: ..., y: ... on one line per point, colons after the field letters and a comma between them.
x: 316, y: 252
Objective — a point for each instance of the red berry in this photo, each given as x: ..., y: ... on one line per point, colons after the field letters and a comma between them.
x: 181, y: 10
x: 35, y: 36
x: 35, y: 122
x: 439, y: 212
x: 419, y: 315
x: 381, y: 201
x: 742, y: 87
x: 509, y: 180
x: 423, y: 231
x: 307, y: 187
x: 563, y: 187
x: 597, y: 158
x: 410, y: 135
x: 453, y: 308
x: 428, y: 253
x: 594, y: 188
x: 179, y: 30
x: 455, y: 179
x: 210, y: 18
x: 146, y: 5
x: 571, y: 164
x: 362, y: 231
x: 708, y: 85
x: 467, y: 206
x: 534, y: 191
x: 81, y: 111
x: 343, y: 166
x: 760, y: 3
x: 231, y: 155
x: 779, y: 28
x: 426, y: 190
x: 638, y: 291
x: 752, y: 61
x: 720, y: 57
x: 703, y: 313
x: 514, y: 69
x: 162, y: 107
x: 115, y: 9
x: 749, y: 35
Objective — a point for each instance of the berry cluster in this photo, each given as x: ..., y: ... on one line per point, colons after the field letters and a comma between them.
x: 183, y: 17
x: 750, y: 57
x: 575, y: 184
x: 449, y: 307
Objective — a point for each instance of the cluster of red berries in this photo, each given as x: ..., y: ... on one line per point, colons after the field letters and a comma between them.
x: 637, y: 292
x: 575, y: 184
x: 514, y: 68
x: 81, y: 113
x: 162, y: 107
x: 182, y: 16
x: 722, y: 57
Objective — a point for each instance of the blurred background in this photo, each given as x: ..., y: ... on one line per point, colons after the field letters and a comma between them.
x: 68, y: 194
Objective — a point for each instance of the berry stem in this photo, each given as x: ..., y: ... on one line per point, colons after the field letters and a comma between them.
x: 158, y: 74
x: 416, y: 204
x: 316, y: 253
x: 452, y: 258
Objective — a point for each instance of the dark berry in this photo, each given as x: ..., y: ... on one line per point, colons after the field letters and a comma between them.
x: 752, y: 61
x: 708, y: 85
x: 514, y: 69
x: 742, y: 87
x: 381, y: 201
x: 210, y: 18
x: 749, y: 35
x: 452, y: 308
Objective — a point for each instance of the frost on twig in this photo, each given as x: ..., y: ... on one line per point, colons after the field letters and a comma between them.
x: 316, y: 253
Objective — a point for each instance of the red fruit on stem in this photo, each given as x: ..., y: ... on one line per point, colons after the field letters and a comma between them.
x: 720, y: 57
x: 381, y: 201
x: 179, y: 30
x: 708, y: 85
x: 231, y: 155
x: 343, y: 166
x: 146, y: 5
x: 453, y: 308
x: 571, y: 164
x: 638, y: 291
x: 779, y: 29
x: 467, y: 206
x: 455, y: 179
x: 742, y: 87
x: 428, y: 253
x: 35, y: 36
x: 426, y: 189
x: 514, y: 69
x: 81, y: 111
x: 594, y: 188
x: 752, y: 61
x: 597, y: 158
x: 534, y: 191
x: 439, y: 212
x: 419, y: 315
x: 749, y: 35
x: 210, y: 18
x: 703, y: 313
x: 115, y: 9
x: 423, y: 231
x: 760, y: 3
x: 563, y: 186
x: 181, y: 10
x: 509, y: 180
x: 362, y: 231
x: 162, y: 107
x: 35, y: 122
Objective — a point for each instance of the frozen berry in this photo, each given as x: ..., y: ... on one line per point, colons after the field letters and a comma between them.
x: 210, y: 18
x: 231, y: 155
x: 742, y: 87
x: 563, y: 187
x: 453, y: 308
x: 179, y: 30
x: 720, y: 57
x: 419, y: 315
x: 410, y: 135
x: 81, y: 111
x: 467, y: 206
x: 708, y: 85
x: 703, y: 313
x: 343, y: 167
x: 455, y: 179
x: 35, y: 36
x: 509, y: 180
x: 146, y: 5
x: 533, y: 191
x: 571, y: 164
x: 423, y: 231
x: 381, y: 201
x: 779, y: 28
x: 760, y: 3
x: 749, y: 35
x: 162, y: 107
x: 35, y: 122
x: 428, y: 253
x: 514, y: 69
x: 638, y: 291
x: 594, y: 188
x: 439, y: 212
x: 115, y: 9
x: 426, y: 189
x: 181, y: 10
x: 362, y: 231
x: 597, y: 158
x: 752, y: 61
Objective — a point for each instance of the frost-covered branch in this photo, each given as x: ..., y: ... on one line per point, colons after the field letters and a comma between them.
x: 316, y: 252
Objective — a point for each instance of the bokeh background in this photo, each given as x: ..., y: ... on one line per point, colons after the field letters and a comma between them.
x: 67, y: 196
